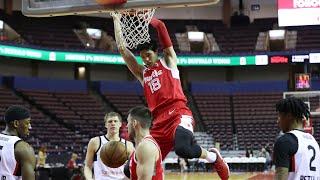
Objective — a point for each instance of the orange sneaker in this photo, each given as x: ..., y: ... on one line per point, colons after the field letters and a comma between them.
x: 220, y: 165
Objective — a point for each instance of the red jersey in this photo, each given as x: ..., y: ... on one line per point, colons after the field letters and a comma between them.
x: 71, y: 164
x: 162, y: 87
x: 158, y: 170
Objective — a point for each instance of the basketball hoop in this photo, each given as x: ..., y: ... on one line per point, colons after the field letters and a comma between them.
x: 135, y: 26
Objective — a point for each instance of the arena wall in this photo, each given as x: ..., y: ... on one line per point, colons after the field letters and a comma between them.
x: 14, y: 67
x: 108, y: 72
x: 55, y: 70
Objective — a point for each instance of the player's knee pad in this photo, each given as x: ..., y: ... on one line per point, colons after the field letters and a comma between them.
x: 183, y: 151
x: 184, y: 145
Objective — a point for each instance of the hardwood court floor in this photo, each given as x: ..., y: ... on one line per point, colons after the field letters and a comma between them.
x: 211, y: 176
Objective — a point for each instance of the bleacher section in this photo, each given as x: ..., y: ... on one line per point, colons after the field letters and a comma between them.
x: 45, y: 131
x: 240, y: 39
x: 308, y: 38
x: 79, y: 111
x: 124, y: 102
x: 67, y: 103
x: 205, y: 140
x: 58, y: 32
x: 64, y: 121
x: 217, y: 101
x: 216, y: 116
x: 122, y: 95
x: 256, y: 119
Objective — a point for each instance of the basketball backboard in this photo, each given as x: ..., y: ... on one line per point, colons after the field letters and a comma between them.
x: 47, y: 8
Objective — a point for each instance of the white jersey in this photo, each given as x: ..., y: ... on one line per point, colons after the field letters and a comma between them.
x: 103, y: 172
x: 9, y: 168
x: 306, y: 161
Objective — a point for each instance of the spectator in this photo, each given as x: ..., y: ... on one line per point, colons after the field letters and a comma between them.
x: 247, y: 152
x: 251, y: 153
x: 264, y: 153
x: 42, y: 156
x: 72, y: 164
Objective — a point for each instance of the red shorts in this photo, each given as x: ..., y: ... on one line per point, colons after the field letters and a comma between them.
x: 164, y: 127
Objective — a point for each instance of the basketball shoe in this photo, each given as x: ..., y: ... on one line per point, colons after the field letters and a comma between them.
x: 220, y: 165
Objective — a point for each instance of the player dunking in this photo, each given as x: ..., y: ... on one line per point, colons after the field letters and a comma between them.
x: 112, y: 122
x: 173, y: 122
x: 17, y: 159
x: 296, y: 153
x: 146, y: 161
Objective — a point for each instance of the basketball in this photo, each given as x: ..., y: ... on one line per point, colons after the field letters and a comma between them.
x: 111, y: 2
x: 113, y: 154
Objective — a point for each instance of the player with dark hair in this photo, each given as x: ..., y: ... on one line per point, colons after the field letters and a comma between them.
x: 17, y: 158
x: 112, y: 121
x: 173, y: 122
x: 296, y: 153
x: 146, y: 161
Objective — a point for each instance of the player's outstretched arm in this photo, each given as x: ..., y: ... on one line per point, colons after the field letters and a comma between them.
x: 165, y: 41
x: 25, y: 156
x: 88, y: 164
x: 126, y: 54
x: 147, y: 155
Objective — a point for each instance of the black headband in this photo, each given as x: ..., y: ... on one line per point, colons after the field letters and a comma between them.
x: 16, y: 113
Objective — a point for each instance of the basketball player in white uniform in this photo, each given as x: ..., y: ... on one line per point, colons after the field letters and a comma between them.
x: 93, y: 161
x: 17, y: 159
x: 296, y: 153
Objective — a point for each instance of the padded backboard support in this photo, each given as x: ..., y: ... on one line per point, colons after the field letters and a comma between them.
x: 47, y: 8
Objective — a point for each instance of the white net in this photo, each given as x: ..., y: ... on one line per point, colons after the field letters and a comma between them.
x: 135, y: 26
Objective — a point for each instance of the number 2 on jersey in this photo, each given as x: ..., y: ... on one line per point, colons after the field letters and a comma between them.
x: 154, y: 85
x: 312, y: 168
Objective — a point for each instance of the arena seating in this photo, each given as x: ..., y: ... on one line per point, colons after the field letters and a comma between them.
x: 45, y: 32
x: 123, y: 102
x: 122, y: 95
x: 90, y: 110
x: 205, y: 140
x: 308, y: 37
x: 57, y: 32
x: 44, y: 131
x: 255, y: 118
x: 239, y: 39
x: 82, y: 114
x: 66, y: 102
x: 216, y: 117
x: 78, y: 111
x: 217, y: 101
